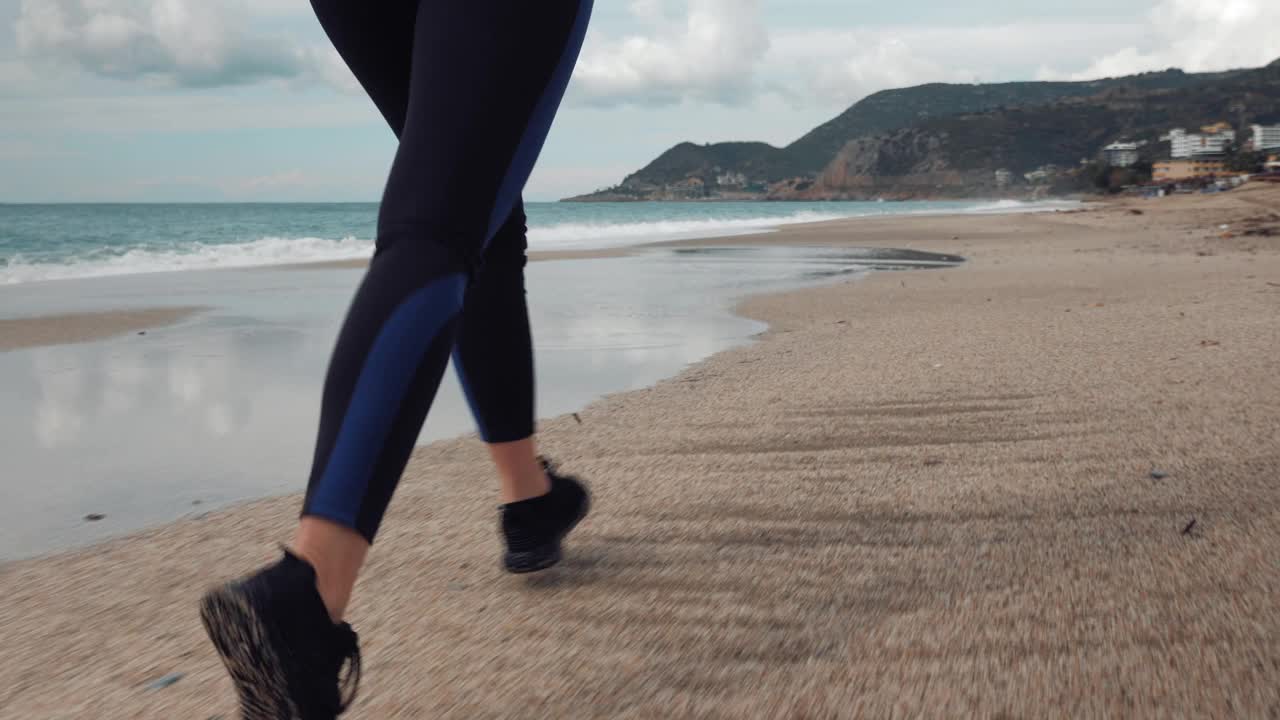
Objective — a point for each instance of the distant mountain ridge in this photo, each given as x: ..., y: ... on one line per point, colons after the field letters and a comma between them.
x: 947, y: 140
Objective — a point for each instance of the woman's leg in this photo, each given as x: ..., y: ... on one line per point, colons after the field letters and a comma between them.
x: 493, y: 354
x: 484, y: 83
x: 493, y: 357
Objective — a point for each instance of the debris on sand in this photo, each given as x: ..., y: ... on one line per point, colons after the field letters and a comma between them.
x: 94, y: 517
x: 161, y: 683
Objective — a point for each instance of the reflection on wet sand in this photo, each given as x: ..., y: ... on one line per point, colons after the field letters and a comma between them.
x: 223, y: 406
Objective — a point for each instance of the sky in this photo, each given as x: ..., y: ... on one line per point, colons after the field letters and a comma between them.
x: 244, y: 100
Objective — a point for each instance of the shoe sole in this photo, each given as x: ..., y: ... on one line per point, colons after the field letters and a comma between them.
x: 243, y: 642
x: 545, y: 556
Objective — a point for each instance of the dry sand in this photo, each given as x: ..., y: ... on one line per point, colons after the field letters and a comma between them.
x: 923, y: 493
x: 19, y: 333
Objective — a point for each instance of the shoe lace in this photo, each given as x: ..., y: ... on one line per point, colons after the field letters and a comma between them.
x: 349, y: 654
x: 548, y: 465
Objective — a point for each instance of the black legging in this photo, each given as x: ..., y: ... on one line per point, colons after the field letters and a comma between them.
x: 470, y: 87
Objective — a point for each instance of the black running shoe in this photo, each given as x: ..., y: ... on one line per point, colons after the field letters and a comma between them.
x: 277, y: 641
x: 534, y: 528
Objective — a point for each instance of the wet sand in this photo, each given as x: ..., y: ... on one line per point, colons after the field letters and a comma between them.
x: 922, y: 493
x: 27, y: 332
x: 70, y: 328
x: 534, y: 256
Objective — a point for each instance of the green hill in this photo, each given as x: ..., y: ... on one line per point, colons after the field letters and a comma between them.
x: 952, y: 155
x: 957, y: 130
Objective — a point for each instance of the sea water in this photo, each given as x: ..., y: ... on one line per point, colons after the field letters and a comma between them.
x: 47, y: 242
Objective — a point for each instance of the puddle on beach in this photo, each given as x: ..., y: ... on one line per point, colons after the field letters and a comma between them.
x: 144, y: 429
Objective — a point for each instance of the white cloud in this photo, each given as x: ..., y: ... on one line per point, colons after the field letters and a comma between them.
x: 709, y: 54
x: 1196, y: 36
x: 838, y: 68
x: 720, y: 52
x: 191, y: 43
x: 835, y: 68
x: 220, y: 112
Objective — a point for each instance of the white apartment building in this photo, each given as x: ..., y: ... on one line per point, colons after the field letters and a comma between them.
x: 1121, y: 154
x: 1212, y: 140
x: 1266, y: 137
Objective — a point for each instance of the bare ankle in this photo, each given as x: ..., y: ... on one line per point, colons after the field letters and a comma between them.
x: 522, y: 476
x: 336, y: 553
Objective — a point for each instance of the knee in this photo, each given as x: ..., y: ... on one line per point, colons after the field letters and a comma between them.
x: 427, y: 248
x: 507, y: 248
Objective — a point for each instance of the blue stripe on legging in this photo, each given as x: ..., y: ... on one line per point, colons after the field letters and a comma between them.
x: 384, y: 380
x: 476, y: 413
x: 527, y: 151
x: 535, y: 133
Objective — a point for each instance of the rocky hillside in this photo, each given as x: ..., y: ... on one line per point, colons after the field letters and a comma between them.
x: 948, y: 140
x: 959, y: 154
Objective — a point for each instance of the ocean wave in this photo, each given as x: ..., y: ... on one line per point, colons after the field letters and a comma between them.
x: 140, y: 259
x: 1021, y: 206
x: 598, y: 235
x: 196, y: 256
x: 281, y: 250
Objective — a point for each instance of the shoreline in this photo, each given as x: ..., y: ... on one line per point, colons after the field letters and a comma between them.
x: 46, y: 330
x: 71, y: 328
x: 943, y: 478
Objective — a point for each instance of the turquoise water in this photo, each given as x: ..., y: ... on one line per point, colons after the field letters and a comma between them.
x: 50, y: 242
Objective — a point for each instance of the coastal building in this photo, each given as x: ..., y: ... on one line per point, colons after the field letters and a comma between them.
x: 1211, y: 140
x: 1273, y: 163
x: 1121, y: 154
x: 1004, y: 178
x: 731, y: 179
x: 1186, y: 169
x: 1266, y: 137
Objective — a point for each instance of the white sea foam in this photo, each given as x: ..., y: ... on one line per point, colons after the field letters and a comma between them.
x: 571, y: 235
x: 1018, y: 206
x: 196, y: 256
x: 600, y: 235
x: 280, y: 250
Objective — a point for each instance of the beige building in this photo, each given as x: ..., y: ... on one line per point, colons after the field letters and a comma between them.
x: 1186, y: 169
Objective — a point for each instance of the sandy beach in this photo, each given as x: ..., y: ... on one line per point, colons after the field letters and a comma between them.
x: 19, y: 333
x: 1043, y: 483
